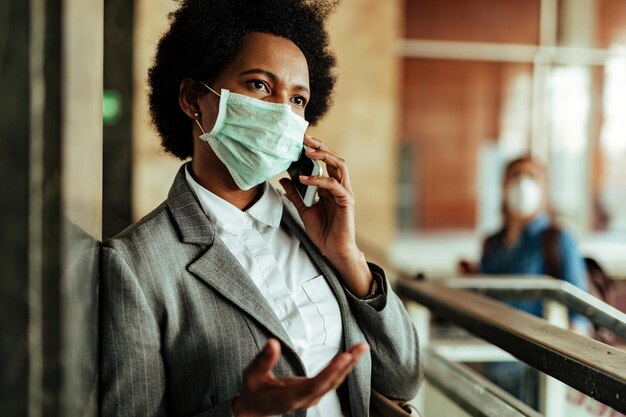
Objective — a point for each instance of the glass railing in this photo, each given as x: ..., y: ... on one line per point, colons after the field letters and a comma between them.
x: 453, y: 389
x: 581, y: 376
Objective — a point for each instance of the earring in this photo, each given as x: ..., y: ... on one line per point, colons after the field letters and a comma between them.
x: 198, y: 123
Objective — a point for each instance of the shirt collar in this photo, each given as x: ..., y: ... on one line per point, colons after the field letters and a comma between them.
x: 268, y: 209
x: 537, y: 225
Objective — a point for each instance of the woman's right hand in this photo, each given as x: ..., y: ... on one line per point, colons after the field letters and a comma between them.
x: 264, y: 394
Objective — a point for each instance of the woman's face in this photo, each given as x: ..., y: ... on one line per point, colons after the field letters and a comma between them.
x: 524, y: 190
x: 268, y: 68
x: 525, y: 169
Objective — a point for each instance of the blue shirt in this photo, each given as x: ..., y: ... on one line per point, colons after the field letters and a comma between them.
x: 527, y: 257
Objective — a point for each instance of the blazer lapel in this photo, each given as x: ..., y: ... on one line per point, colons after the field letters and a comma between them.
x: 217, y: 267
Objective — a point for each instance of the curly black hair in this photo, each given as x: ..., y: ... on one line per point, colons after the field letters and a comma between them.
x: 205, y: 35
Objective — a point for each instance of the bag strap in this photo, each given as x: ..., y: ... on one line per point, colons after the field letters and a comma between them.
x: 599, y: 282
x: 383, y: 406
x: 552, y: 251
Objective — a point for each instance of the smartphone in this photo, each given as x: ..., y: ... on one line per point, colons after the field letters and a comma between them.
x: 304, y: 166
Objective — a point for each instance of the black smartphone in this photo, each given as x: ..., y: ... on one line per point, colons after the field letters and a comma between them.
x: 304, y: 166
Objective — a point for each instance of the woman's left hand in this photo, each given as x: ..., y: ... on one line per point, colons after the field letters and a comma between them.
x: 329, y: 222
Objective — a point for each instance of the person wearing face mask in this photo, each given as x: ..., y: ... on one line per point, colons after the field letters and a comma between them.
x: 232, y: 298
x: 529, y: 243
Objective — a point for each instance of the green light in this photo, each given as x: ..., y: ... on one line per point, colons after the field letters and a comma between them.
x: 111, y: 107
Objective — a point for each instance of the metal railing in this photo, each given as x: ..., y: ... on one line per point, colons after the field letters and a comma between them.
x: 591, y: 367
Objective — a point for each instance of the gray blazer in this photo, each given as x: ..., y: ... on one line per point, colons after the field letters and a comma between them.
x: 181, y: 320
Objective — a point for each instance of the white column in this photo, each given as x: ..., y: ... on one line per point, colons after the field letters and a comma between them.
x: 552, y: 392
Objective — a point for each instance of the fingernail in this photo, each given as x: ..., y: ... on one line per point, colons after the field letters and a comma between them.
x: 311, y: 150
x: 304, y: 177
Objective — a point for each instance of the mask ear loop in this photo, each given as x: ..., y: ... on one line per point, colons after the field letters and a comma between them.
x: 196, y: 114
x: 212, y: 90
x: 198, y: 123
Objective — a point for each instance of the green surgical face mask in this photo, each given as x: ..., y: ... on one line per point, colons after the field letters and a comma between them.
x: 255, y: 139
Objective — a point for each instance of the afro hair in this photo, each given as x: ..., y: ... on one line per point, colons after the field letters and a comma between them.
x: 205, y: 35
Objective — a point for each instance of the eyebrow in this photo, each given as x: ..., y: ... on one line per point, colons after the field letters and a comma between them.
x: 273, y: 77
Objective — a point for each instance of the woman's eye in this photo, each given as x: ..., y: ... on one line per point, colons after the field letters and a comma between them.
x: 299, y: 101
x: 258, y: 85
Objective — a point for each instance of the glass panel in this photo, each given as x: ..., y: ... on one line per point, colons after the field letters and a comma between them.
x: 438, y: 404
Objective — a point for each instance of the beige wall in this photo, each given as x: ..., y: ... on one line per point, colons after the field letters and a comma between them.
x: 153, y: 170
x: 361, y: 127
x: 82, y: 114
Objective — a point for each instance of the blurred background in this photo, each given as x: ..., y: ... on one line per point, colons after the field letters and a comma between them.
x: 483, y: 82
x: 433, y: 98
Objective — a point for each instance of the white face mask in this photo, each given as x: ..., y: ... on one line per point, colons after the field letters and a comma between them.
x: 523, y: 196
x: 255, y: 139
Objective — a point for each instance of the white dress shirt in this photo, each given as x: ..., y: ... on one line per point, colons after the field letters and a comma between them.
x: 283, y: 272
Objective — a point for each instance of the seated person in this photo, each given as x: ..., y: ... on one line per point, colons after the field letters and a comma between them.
x: 529, y: 244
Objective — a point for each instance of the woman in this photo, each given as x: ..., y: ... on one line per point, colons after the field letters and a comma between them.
x: 529, y: 244
x: 230, y: 298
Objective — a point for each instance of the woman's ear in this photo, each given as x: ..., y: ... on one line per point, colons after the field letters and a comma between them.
x: 188, y: 98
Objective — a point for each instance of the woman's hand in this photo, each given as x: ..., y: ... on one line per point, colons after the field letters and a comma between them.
x: 266, y: 395
x: 330, y: 222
